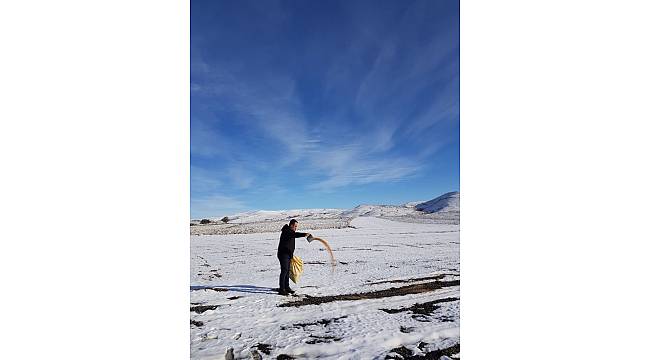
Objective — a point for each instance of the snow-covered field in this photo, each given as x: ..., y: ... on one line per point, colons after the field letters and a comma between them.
x: 395, y: 289
x: 270, y: 221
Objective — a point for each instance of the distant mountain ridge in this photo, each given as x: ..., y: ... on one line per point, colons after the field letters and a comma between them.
x: 444, y: 209
x: 446, y: 203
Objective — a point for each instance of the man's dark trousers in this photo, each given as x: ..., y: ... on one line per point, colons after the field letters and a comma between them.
x: 285, y: 260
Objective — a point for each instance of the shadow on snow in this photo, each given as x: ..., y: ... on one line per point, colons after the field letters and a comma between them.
x: 237, y: 288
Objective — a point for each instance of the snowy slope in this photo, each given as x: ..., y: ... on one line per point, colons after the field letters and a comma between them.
x: 269, y: 221
x: 445, y: 203
x: 284, y: 215
x: 234, y: 305
x: 443, y: 210
x: 379, y: 210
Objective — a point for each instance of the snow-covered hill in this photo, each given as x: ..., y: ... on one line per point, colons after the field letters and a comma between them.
x: 284, y: 215
x: 378, y: 211
x: 444, y: 209
x: 445, y: 203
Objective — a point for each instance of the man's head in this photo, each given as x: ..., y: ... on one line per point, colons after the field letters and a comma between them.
x: 293, y: 224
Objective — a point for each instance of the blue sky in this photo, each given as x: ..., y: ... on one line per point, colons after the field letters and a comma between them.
x: 322, y: 104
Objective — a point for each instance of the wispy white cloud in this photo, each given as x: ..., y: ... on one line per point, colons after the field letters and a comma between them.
x: 215, y: 190
x: 373, y: 101
x: 214, y: 205
x: 240, y: 177
x: 441, y: 109
x: 351, y: 165
x: 269, y: 102
x: 357, y: 160
x: 227, y: 177
x: 402, y: 75
x: 206, y: 141
x: 203, y: 181
x: 382, y: 101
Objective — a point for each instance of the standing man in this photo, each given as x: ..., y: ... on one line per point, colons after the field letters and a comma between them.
x: 285, y: 253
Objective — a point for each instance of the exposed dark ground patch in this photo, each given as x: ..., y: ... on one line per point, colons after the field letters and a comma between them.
x: 406, y: 330
x: 211, y: 276
x: 255, y: 355
x: 445, y: 319
x: 205, y: 262
x: 196, y: 323
x: 201, y: 287
x: 234, y: 297
x: 421, y: 308
x: 284, y: 357
x: 421, y: 311
x: 323, y: 322
x: 317, y: 339
x: 195, y: 303
x: 435, y: 277
x: 265, y: 348
x: 404, y: 290
x: 402, y: 353
x: 200, y: 309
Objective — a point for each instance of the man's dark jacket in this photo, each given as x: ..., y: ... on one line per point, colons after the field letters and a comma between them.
x: 288, y: 240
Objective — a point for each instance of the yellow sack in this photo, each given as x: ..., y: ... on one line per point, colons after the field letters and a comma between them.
x: 295, y: 269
